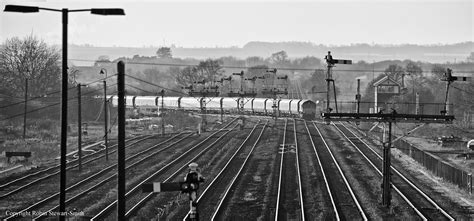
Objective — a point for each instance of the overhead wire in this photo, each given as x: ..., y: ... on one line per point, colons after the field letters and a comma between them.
x: 50, y: 93
x: 50, y: 105
x: 247, y: 67
x: 147, y: 82
x: 140, y: 89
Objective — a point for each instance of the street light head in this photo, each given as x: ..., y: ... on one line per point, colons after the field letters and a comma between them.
x: 20, y: 8
x: 107, y: 11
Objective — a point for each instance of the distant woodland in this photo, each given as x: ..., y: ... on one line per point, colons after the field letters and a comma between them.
x: 150, y: 70
x: 165, y: 70
x: 426, y: 53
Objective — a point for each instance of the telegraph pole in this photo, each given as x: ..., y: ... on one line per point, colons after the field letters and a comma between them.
x: 328, y: 81
x: 417, y: 103
x: 79, y: 126
x: 358, y: 96
x: 121, y: 142
x: 106, y: 130
x: 387, y: 141
x: 106, y: 120
x: 203, y: 113
x: 24, y: 115
x: 162, y: 113
x: 275, y: 106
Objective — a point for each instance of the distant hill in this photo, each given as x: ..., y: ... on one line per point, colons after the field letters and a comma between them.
x: 428, y: 53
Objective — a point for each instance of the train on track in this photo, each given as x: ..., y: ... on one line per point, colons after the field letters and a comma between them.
x: 305, y: 109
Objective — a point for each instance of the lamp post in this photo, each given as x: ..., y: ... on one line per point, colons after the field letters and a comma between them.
x: 106, y: 132
x: 64, y: 87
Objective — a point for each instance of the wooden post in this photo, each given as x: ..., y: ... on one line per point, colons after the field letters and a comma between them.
x: 79, y: 126
x: 121, y: 141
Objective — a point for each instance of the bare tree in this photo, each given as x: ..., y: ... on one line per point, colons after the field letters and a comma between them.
x: 396, y: 72
x: 208, y: 70
x: 187, y: 76
x: 164, y: 52
x: 103, y: 60
x: 30, y: 59
x: 279, y: 58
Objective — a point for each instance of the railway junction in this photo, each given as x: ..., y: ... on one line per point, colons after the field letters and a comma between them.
x: 269, y: 159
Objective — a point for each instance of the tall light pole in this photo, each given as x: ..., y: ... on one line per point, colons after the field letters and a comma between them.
x: 106, y: 131
x: 64, y: 87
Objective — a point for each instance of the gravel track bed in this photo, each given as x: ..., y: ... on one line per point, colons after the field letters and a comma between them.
x: 317, y: 205
x: 134, y: 177
x: 214, y: 165
x: 459, y: 212
x: 421, y: 203
x: 290, y: 208
x: 108, y: 180
x: 254, y: 194
x: 364, y: 180
x: 209, y: 202
x: 49, y: 186
x: 135, y: 197
x: 345, y: 204
x: 53, y: 165
x: 174, y: 204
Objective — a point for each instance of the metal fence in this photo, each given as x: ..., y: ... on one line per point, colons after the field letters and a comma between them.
x: 437, y: 166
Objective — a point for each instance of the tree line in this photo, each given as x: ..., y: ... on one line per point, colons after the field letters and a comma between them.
x: 33, y: 60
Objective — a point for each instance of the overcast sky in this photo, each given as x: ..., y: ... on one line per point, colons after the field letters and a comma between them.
x: 224, y: 23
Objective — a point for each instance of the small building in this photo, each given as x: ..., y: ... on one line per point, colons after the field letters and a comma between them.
x: 384, y: 89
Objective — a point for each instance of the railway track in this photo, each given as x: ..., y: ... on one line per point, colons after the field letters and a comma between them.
x: 37, y: 187
x: 289, y: 204
x: 216, y: 192
x: 419, y: 201
x: 13, y: 186
x: 136, y: 199
x: 104, y: 180
x: 345, y: 205
x: 93, y: 181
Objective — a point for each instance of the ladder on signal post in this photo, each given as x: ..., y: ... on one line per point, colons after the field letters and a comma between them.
x: 449, y: 78
x: 330, y: 63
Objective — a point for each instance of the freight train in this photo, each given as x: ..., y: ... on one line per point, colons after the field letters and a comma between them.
x: 305, y: 109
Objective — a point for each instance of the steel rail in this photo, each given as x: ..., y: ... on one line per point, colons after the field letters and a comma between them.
x: 2, y: 186
x: 135, y: 189
x: 281, y: 171
x: 380, y: 173
x: 446, y: 214
x: 359, y: 207
x: 111, y: 167
x: 336, y: 213
x: 226, y: 166
x: 138, y: 205
x: 300, y: 188
x: 57, y: 172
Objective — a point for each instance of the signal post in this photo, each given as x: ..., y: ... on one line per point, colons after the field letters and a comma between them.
x: 388, y: 120
x: 449, y: 78
x: 190, y: 186
x: 330, y: 64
